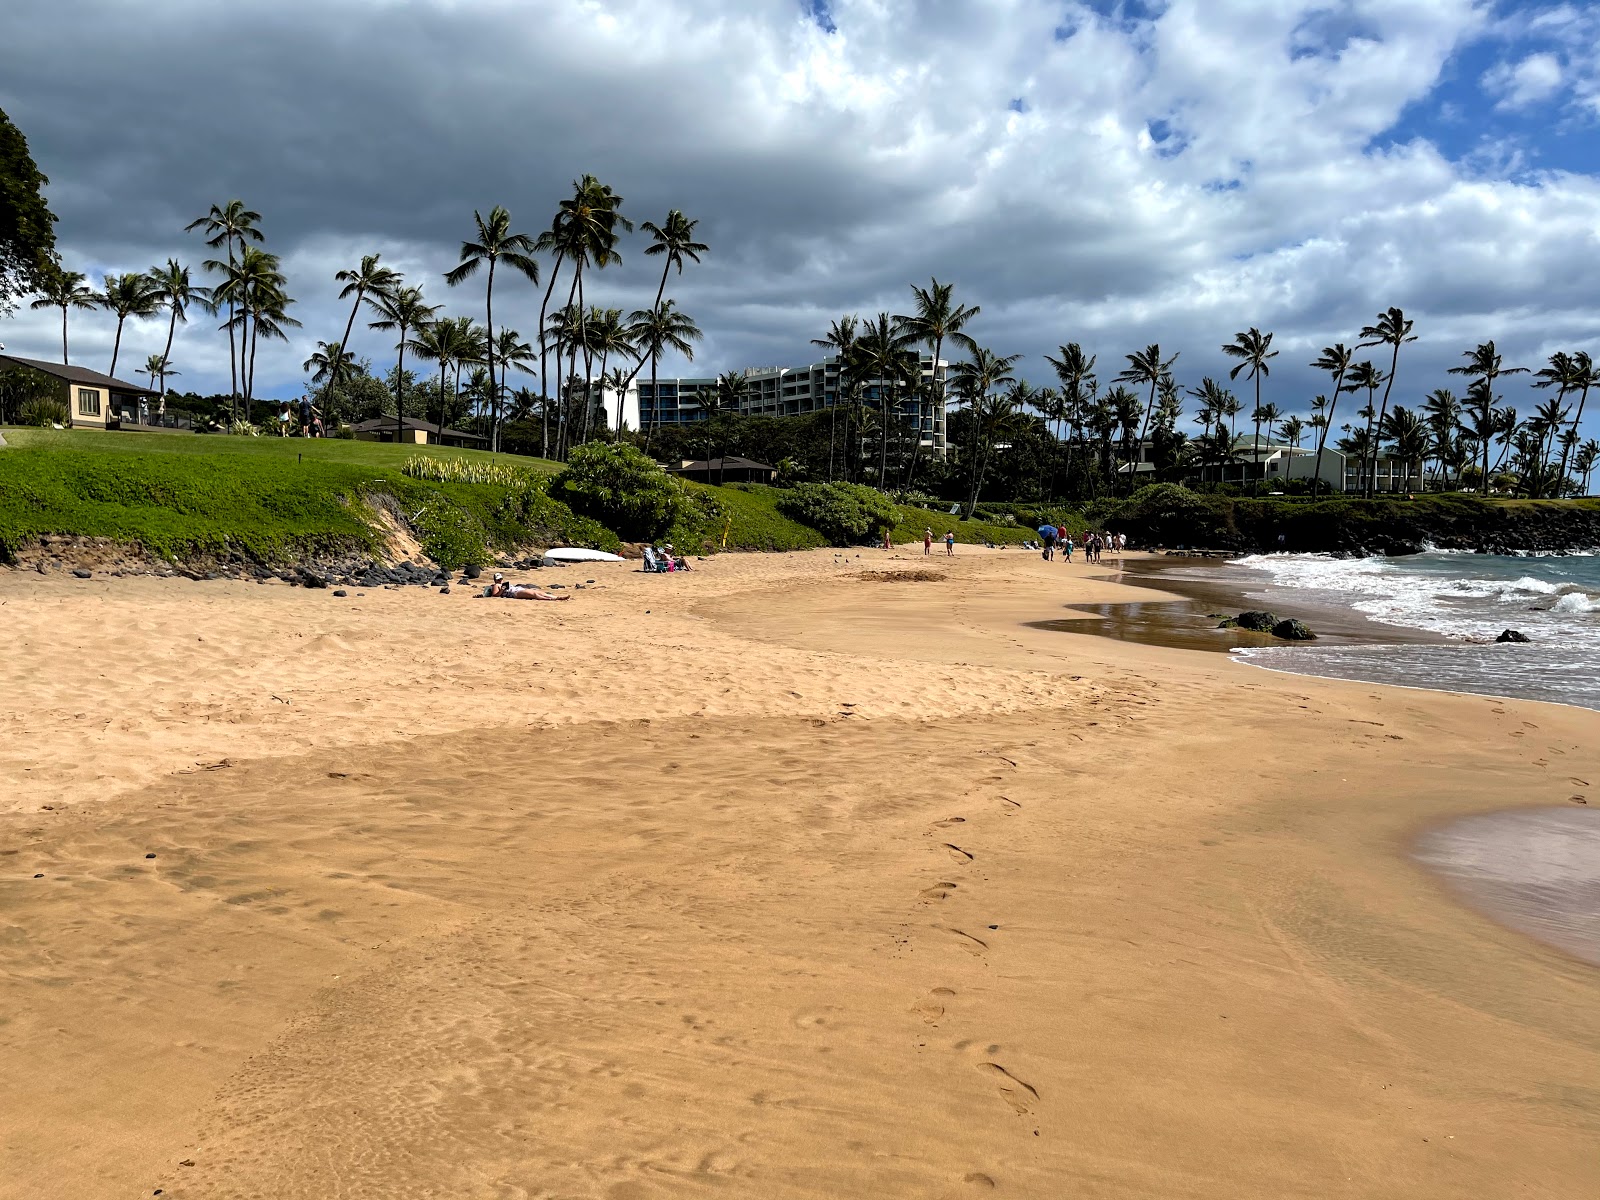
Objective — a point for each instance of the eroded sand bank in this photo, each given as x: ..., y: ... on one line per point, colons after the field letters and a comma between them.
x: 797, y: 885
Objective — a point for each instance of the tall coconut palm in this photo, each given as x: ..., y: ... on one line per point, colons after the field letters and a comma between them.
x: 1294, y: 432
x: 1584, y: 461
x: 128, y: 295
x: 935, y: 319
x: 1392, y: 329
x: 882, y: 360
x: 1254, y: 350
x: 1571, y: 373
x: 371, y: 278
x: 439, y: 342
x: 510, y: 353
x: 252, y: 285
x: 1146, y: 367
x: 327, y: 364
x: 1335, y: 360
x: 157, y: 368
x: 609, y: 335
x: 496, y: 243
x: 977, y: 379
x: 225, y: 225
x: 404, y: 311
x: 1442, y: 412
x: 1075, y: 370
x: 1359, y: 376
x: 652, y: 331
x: 66, y: 290
x: 841, y: 339
x: 1408, y: 434
x: 673, y: 240
x: 176, y: 291
x: 1485, y: 363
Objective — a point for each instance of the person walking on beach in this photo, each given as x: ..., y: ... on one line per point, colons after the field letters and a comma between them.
x: 1047, y: 541
x: 305, y: 416
x: 1066, y: 547
x: 927, y: 541
x: 887, y: 544
x: 950, y: 543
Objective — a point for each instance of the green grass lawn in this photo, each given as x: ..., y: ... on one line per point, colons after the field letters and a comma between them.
x: 270, y: 499
x: 322, y: 450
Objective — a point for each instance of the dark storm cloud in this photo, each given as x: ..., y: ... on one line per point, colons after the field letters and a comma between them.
x: 832, y: 153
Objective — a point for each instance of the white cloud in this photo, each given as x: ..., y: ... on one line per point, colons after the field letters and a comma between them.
x: 1522, y: 84
x: 830, y: 170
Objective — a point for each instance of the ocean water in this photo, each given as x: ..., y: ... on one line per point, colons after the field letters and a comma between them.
x: 1466, y: 599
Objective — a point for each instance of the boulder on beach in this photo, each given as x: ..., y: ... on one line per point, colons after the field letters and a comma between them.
x: 1256, y: 622
x: 1293, y: 630
x: 1512, y: 635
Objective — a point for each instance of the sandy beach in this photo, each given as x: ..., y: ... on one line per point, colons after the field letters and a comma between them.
x: 785, y: 877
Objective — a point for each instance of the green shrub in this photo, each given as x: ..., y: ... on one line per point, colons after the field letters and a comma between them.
x: 623, y: 489
x: 42, y: 411
x: 847, y: 514
x: 450, y: 535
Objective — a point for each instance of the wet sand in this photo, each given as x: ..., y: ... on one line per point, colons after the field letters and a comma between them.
x: 1197, y: 592
x: 775, y: 878
x: 1536, y: 869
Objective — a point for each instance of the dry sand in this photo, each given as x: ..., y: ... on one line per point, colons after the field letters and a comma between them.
x: 763, y: 880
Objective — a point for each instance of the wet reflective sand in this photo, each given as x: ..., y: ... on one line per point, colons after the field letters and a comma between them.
x: 1536, y: 870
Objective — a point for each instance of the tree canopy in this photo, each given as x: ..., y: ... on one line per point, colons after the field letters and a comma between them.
x: 27, y: 226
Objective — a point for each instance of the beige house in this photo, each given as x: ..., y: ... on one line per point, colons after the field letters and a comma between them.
x: 412, y: 431
x: 93, y: 400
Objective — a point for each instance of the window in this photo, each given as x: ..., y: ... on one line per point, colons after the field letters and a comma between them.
x: 88, y: 402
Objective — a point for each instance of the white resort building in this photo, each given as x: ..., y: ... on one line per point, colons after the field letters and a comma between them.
x: 776, y: 392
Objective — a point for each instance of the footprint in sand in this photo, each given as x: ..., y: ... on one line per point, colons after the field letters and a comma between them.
x: 938, y: 891
x: 957, y: 853
x: 931, y: 1007
x: 1019, y: 1095
x: 949, y: 821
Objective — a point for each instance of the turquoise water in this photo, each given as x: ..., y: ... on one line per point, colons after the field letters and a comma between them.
x: 1466, y: 598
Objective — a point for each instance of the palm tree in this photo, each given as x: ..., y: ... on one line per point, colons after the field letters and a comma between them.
x: 271, y: 320
x: 1143, y: 368
x: 155, y: 366
x: 402, y: 310
x: 977, y: 380
x: 224, y: 225
x: 66, y: 290
x: 1364, y: 375
x: 1075, y: 370
x: 1584, y: 462
x: 252, y: 285
x: 326, y: 364
x: 1335, y: 360
x: 1294, y: 430
x: 1394, y: 330
x: 608, y: 335
x: 1253, y: 348
x: 656, y: 329
x: 1409, y: 433
x: 128, y: 295
x: 496, y: 243
x: 841, y: 339
x: 935, y: 319
x: 175, y: 290
x: 1442, y: 411
x: 440, y: 342
x: 509, y: 350
x: 1569, y: 373
x: 1484, y: 364
x: 371, y: 278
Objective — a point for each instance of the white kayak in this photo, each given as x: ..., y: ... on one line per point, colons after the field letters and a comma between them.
x: 576, y: 554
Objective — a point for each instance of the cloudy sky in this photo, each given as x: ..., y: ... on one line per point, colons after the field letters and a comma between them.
x: 1113, y: 172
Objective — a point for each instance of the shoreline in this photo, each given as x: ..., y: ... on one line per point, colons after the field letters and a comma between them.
x: 705, y: 880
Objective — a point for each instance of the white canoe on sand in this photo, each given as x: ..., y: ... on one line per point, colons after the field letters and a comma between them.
x: 576, y: 554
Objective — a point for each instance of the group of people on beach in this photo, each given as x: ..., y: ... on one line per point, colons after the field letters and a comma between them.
x: 1095, y: 543
x: 657, y: 560
x: 927, y: 542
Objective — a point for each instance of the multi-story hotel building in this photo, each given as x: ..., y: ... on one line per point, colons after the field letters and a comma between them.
x: 778, y: 392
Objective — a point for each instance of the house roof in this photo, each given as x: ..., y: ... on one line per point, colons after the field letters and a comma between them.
x: 731, y: 463
x: 75, y: 374
x: 382, y: 424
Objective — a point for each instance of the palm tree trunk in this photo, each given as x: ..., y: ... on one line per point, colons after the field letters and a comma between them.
x: 1372, y: 446
x: 544, y: 375
x: 64, y: 336
x: 441, y: 400
x: 400, y: 390
x: 655, y: 402
x: 116, y: 347
x: 494, y: 392
x: 1566, y: 451
x: 344, y: 345
x: 1322, y: 434
x: 833, y: 422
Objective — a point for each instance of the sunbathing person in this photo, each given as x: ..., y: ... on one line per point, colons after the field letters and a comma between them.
x: 507, y: 590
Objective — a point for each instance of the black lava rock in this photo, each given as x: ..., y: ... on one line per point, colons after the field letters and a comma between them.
x: 445, y: 590
x: 309, y: 578
x: 341, y: 592
x: 1256, y: 622
x: 1293, y: 630
x: 82, y: 574
x: 473, y: 570
x: 1512, y: 635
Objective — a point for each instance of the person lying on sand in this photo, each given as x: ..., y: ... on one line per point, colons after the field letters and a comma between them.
x: 507, y: 590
